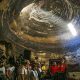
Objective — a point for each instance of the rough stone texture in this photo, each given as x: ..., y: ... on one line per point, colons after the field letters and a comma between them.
x: 39, y: 36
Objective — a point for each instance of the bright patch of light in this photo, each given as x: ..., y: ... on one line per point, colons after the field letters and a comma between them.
x: 72, y: 29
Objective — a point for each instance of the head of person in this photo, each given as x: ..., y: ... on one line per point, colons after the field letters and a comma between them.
x: 54, y: 63
x: 1, y: 63
x: 34, y: 67
x: 63, y: 61
x: 26, y: 63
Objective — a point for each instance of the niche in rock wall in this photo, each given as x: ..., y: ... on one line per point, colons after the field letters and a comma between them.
x: 6, y: 48
x: 2, y: 53
x: 2, y: 49
x: 1, y: 0
x: 27, y: 54
x: 9, y: 49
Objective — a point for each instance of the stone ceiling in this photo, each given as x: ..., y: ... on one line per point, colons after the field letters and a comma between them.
x: 43, y: 30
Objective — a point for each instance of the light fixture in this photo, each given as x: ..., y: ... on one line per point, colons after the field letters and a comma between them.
x: 72, y: 29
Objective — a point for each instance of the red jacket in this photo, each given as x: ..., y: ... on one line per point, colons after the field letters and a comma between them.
x: 54, y: 69
x: 63, y: 68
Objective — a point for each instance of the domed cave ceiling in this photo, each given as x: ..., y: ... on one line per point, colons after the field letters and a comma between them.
x: 42, y: 26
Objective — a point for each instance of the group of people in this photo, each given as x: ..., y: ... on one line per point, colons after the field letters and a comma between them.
x: 32, y: 70
x: 24, y: 70
x: 58, y: 71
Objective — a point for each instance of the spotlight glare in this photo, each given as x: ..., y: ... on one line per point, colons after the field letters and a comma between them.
x: 72, y: 29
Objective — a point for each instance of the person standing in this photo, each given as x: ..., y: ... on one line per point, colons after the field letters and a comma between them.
x: 2, y: 71
x: 10, y: 72
x: 34, y: 73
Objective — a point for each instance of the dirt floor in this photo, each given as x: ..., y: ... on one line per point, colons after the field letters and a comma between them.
x: 74, y: 75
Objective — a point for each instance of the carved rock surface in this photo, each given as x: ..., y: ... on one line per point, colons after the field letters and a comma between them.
x: 41, y: 29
